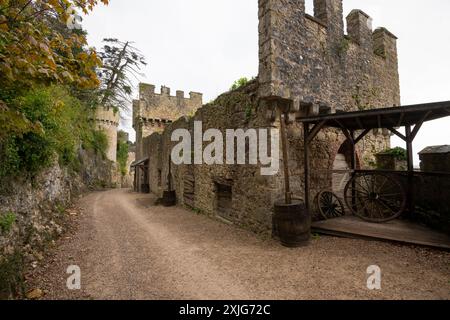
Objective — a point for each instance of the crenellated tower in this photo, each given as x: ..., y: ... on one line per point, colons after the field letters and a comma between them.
x: 152, y: 112
x: 311, y: 59
x: 107, y: 120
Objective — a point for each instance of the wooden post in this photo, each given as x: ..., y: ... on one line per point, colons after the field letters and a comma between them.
x: 409, y: 148
x: 353, y: 165
x: 138, y: 168
x: 306, y: 164
x: 285, y: 147
x: 410, y: 155
x: 169, y: 176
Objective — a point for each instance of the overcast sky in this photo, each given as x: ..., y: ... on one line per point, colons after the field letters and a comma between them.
x: 204, y: 45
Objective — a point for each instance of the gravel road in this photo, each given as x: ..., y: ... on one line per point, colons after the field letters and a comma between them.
x: 127, y: 248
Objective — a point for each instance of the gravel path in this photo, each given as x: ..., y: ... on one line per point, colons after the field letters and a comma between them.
x: 129, y: 249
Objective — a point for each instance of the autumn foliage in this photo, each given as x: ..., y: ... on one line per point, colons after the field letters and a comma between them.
x: 37, y: 47
x: 44, y: 65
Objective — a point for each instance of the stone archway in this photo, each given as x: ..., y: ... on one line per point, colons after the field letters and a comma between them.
x: 341, y: 168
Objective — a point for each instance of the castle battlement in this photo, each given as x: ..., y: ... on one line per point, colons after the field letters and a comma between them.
x: 107, y: 116
x: 312, y: 58
x: 147, y: 91
x: 152, y: 112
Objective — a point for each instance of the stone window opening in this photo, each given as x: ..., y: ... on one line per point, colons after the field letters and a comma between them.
x: 159, y: 178
x: 224, y: 199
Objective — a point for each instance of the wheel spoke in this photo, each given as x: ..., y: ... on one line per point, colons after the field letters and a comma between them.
x: 387, y: 207
x: 384, y: 183
x: 329, y: 205
x: 389, y: 195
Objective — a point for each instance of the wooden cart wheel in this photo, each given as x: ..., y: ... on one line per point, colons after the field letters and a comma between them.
x: 375, y: 197
x: 330, y: 206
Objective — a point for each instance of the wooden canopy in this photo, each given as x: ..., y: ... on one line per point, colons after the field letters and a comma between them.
x: 383, y: 118
x: 411, y: 117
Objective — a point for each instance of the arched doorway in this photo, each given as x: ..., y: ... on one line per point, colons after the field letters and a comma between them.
x: 341, y: 168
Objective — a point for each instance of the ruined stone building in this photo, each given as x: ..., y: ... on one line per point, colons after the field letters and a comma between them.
x: 152, y: 112
x: 310, y: 64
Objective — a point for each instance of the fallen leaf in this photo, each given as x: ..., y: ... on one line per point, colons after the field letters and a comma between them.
x: 34, y: 294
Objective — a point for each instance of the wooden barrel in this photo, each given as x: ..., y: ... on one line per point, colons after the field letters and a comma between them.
x: 169, y: 199
x: 292, y: 224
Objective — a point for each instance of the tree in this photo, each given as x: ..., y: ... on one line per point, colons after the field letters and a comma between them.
x: 33, y: 50
x: 120, y: 62
x: 239, y: 83
x: 122, y: 152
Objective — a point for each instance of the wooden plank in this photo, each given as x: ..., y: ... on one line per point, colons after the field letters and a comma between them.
x: 397, y: 231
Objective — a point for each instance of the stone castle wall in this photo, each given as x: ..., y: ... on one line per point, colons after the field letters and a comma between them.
x: 253, y: 194
x: 153, y: 111
x: 309, y: 61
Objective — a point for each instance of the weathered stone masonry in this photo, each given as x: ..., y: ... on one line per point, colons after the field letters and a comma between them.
x: 153, y: 111
x: 310, y: 62
x: 107, y: 120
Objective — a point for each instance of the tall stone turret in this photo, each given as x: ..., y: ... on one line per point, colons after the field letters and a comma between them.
x: 107, y: 120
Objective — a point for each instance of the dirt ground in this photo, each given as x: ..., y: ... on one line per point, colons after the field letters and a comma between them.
x: 128, y: 248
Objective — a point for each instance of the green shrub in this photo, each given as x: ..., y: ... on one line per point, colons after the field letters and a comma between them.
x: 9, y: 158
x: 239, y: 83
x: 398, y: 153
x: 7, y: 221
x: 95, y: 140
x: 58, y: 122
x: 122, y: 156
x: 11, y: 275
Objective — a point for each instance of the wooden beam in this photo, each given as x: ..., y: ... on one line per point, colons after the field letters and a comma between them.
x: 353, y: 165
x: 362, y: 135
x: 409, y: 149
x: 392, y: 122
x: 285, y: 146
x: 306, y: 133
x: 315, y: 130
x: 410, y: 155
x: 345, y: 131
x: 398, y: 134
x: 359, y: 122
x: 400, y: 121
x: 339, y: 124
x: 347, y: 134
x: 419, y: 125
